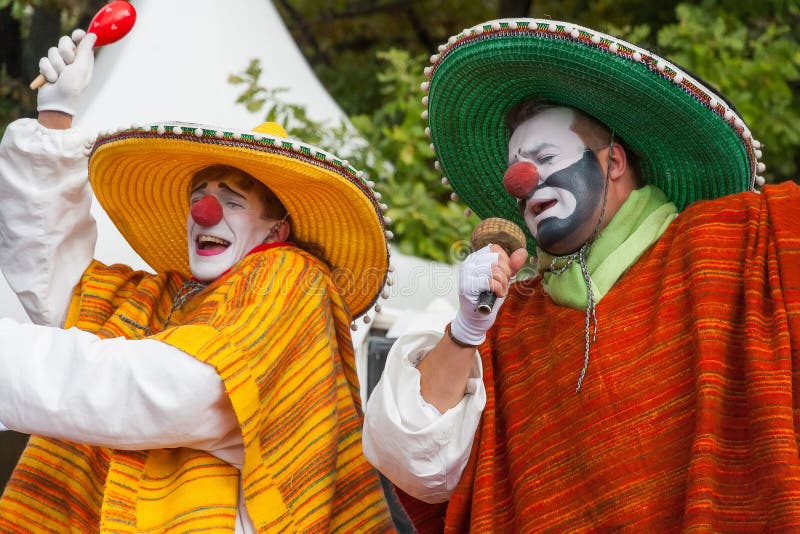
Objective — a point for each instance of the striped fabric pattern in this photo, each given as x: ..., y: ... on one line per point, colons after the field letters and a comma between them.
x: 687, y: 418
x: 278, y: 334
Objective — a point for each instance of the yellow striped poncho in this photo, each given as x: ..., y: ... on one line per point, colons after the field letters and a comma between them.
x: 277, y: 332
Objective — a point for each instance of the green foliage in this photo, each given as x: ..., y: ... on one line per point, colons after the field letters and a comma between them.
x: 426, y: 223
x: 18, y: 7
x: 341, y: 38
x: 754, y: 63
x: 292, y: 117
x: 69, y: 11
x: 389, y: 145
x: 16, y: 99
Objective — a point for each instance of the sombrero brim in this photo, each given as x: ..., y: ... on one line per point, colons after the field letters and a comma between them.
x: 691, y: 144
x: 141, y: 177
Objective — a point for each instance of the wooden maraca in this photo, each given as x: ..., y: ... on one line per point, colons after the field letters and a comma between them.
x: 110, y: 24
x: 499, y: 232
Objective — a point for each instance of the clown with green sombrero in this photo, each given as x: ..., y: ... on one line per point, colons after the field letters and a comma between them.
x: 218, y: 394
x: 645, y: 379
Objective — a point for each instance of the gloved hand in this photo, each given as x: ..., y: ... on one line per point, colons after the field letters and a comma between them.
x: 68, y: 69
x: 470, y: 325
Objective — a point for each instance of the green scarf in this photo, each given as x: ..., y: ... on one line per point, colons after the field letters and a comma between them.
x: 640, y: 221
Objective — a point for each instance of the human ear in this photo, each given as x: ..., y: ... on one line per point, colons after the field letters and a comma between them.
x: 617, y: 161
x: 283, y: 231
x: 280, y: 232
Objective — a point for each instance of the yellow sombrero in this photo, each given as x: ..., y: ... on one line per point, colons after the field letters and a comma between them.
x: 141, y: 177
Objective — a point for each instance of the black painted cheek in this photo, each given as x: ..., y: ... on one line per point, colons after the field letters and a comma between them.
x: 584, y: 179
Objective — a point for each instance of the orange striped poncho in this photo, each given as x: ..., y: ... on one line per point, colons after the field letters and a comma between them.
x: 688, y: 417
x: 277, y: 332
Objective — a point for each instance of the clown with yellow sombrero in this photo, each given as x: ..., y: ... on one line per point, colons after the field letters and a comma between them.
x: 219, y: 393
x: 645, y: 380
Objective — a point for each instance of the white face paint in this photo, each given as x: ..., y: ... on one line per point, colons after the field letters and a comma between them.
x: 562, y: 210
x: 215, y: 249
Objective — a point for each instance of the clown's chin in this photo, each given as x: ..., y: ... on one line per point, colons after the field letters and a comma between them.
x: 560, y: 237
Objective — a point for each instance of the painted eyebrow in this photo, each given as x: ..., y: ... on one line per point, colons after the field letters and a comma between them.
x: 532, y: 151
x: 222, y: 185
x: 199, y: 187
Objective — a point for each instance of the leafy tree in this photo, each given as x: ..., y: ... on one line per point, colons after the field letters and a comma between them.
x: 751, y: 57
x: 398, y: 152
x: 390, y: 146
x: 340, y: 38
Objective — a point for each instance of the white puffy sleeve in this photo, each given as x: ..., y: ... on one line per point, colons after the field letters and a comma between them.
x: 118, y: 393
x: 47, y: 234
x: 422, y: 451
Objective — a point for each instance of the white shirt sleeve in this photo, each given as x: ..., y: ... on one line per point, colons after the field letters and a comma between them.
x: 119, y: 393
x: 47, y: 234
x: 420, y: 450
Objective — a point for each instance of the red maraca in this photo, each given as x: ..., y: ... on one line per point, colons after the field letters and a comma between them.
x: 110, y: 24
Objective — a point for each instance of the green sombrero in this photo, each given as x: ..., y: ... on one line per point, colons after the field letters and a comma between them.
x: 691, y: 143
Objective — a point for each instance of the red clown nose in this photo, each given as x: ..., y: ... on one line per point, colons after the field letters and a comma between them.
x: 520, y: 179
x: 207, y: 211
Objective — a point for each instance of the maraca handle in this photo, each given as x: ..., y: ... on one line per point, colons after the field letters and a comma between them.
x: 486, y: 302
x: 39, y: 81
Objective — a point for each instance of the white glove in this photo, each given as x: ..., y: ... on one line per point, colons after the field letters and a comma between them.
x: 470, y: 325
x: 68, y: 69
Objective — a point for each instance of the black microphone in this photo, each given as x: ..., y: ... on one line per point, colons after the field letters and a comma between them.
x: 500, y: 232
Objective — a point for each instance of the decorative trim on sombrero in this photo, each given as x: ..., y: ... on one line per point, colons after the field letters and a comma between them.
x: 257, y: 142
x: 562, y: 32
x: 615, y: 46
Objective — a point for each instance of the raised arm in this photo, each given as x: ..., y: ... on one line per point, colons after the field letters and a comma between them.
x: 422, y: 416
x: 445, y: 370
x: 47, y: 234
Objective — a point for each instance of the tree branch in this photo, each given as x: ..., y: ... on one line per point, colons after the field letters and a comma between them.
x: 318, y: 56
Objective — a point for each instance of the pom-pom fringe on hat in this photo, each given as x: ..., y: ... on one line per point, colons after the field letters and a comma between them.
x: 141, y: 176
x: 691, y: 143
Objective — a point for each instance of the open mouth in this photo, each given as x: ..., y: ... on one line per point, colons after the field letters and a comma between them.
x: 209, y: 245
x: 539, y: 207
